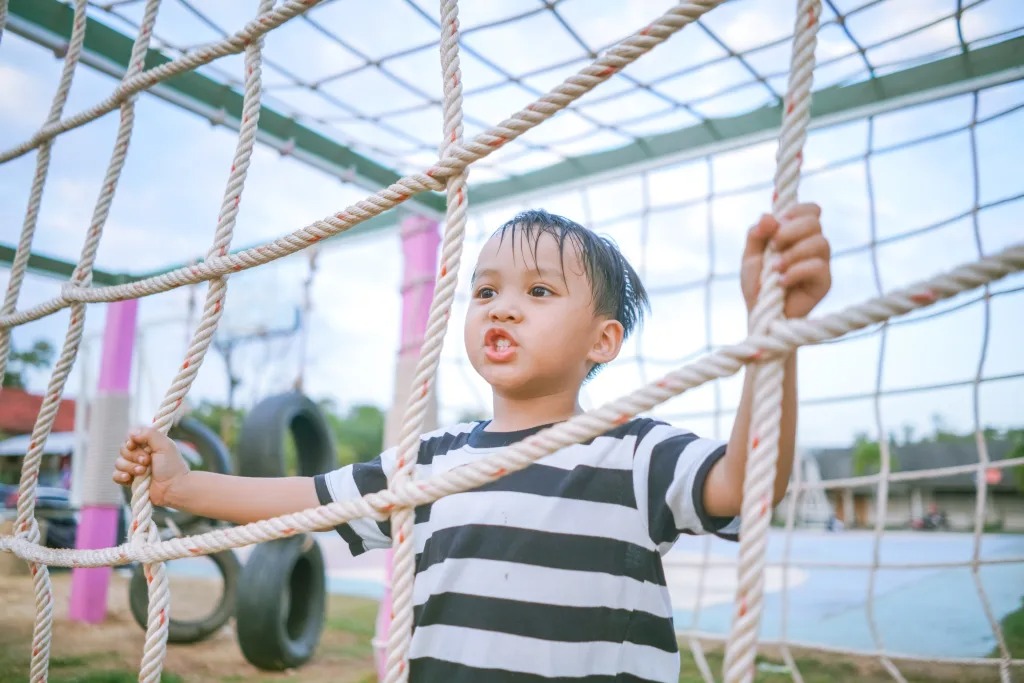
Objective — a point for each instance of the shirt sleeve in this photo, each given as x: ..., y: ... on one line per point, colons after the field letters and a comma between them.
x: 670, y: 470
x: 355, y: 481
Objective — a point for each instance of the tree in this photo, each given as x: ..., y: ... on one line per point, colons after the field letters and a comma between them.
x: 221, y: 419
x: 1017, y: 435
x: 39, y: 355
x: 359, y: 434
x: 867, y: 456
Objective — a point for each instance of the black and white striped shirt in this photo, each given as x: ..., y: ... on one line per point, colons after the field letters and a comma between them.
x: 552, y: 573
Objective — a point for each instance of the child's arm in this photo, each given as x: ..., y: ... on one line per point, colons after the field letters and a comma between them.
x: 803, y: 260
x: 219, y: 496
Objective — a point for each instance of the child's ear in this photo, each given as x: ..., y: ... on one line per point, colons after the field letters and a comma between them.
x: 607, y: 343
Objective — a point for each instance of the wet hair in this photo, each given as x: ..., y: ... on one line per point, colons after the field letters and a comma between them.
x: 615, y: 288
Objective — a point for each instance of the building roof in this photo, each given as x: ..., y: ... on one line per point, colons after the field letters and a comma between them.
x: 19, y: 408
x: 57, y: 442
x: 837, y: 463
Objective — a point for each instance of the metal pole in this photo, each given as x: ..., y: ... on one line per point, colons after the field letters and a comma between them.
x: 101, y: 497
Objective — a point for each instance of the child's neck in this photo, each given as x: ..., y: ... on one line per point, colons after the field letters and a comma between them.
x: 515, y: 414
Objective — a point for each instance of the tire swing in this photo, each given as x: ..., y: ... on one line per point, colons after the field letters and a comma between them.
x: 190, y: 630
x: 282, y: 603
x: 282, y: 594
x: 261, y: 440
x: 203, y: 449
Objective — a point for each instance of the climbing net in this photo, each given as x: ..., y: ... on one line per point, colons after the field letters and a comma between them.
x: 864, y: 381
x: 771, y: 336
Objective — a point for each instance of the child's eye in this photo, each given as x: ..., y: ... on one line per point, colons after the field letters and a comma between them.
x: 485, y: 293
x: 540, y: 291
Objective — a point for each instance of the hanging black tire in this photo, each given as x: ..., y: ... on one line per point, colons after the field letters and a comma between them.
x: 281, y: 603
x: 190, y: 630
x: 262, y: 437
x: 213, y: 456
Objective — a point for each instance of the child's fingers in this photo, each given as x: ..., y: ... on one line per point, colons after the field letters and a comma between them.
x: 804, y: 209
x: 811, y: 274
x: 137, y: 455
x: 758, y: 236
x: 813, y: 247
x: 149, y: 438
x: 125, y: 470
x: 792, y: 231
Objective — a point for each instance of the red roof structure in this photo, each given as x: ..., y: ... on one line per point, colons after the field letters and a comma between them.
x: 19, y: 408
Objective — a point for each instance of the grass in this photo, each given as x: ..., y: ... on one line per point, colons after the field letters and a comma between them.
x: 1013, y: 632
x: 357, y: 619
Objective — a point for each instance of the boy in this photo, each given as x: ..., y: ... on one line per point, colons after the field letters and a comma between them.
x: 553, y: 572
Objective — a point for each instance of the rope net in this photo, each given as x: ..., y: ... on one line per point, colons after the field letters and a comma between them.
x: 878, y: 235
x: 769, y: 339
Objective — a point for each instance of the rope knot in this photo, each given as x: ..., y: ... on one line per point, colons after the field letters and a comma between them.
x: 72, y: 293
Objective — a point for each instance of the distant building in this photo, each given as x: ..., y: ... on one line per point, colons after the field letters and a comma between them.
x: 18, y: 411
x: 952, y: 495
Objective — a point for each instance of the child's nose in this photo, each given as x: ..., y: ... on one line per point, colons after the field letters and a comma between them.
x: 505, y: 312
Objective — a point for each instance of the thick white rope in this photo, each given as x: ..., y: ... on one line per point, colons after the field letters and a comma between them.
x: 144, y: 80
x: 402, y: 521
x: 412, y: 494
x: 766, y: 407
x: 782, y: 338
x: 19, y: 265
x: 984, y: 460
x: 459, y: 156
x: 25, y: 522
x: 885, y: 466
x: 144, y: 529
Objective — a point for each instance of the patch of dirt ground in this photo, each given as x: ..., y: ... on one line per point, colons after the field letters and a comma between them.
x: 344, y: 655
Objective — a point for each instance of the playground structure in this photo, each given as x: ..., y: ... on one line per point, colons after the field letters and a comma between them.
x: 771, y: 336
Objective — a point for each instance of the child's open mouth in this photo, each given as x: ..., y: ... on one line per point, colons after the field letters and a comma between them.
x: 499, y: 347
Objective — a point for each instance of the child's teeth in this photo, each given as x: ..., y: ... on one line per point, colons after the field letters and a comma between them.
x: 503, y: 343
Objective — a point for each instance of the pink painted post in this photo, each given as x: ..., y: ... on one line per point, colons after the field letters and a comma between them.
x: 420, y: 239
x: 98, y: 522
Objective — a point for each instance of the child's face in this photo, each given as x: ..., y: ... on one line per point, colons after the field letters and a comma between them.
x: 530, y: 328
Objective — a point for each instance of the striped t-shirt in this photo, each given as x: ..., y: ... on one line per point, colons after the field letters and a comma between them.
x: 552, y: 573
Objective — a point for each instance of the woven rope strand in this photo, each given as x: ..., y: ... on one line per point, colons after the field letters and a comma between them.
x: 142, y: 508
x: 402, y: 522
x: 81, y: 276
x: 458, y: 158
x: 766, y: 408
x: 783, y: 337
x: 19, y: 265
x: 139, y: 81
x: 413, y: 495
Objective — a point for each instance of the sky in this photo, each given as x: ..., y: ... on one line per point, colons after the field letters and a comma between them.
x: 686, y: 245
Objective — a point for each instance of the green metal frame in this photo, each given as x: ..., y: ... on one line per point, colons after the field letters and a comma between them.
x: 48, y: 22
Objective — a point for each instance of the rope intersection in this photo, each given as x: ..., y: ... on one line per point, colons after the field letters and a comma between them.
x: 771, y: 337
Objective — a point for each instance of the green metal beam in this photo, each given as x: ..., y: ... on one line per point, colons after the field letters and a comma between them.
x: 827, y: 106
x: 48, y: 22
x: 54, y: 267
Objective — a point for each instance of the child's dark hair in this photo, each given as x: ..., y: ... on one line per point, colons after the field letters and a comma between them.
x: 615, y: 287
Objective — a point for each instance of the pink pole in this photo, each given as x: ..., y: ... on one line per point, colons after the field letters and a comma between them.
x: 420, y: 239
x: 97, y: 526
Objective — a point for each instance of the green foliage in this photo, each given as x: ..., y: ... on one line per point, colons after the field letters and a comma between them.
x: 1017, y: 436
x: 39, y: 355
x: 220, y: 419
x: 115, y: 676
x: 867, y: 456
x: 359, y: 434
x: 1013, y: 633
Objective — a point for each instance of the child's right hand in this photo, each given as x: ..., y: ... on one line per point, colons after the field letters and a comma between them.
x: 145, y: 446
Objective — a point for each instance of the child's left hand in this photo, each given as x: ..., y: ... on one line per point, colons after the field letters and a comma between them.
x: 802, y: 254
